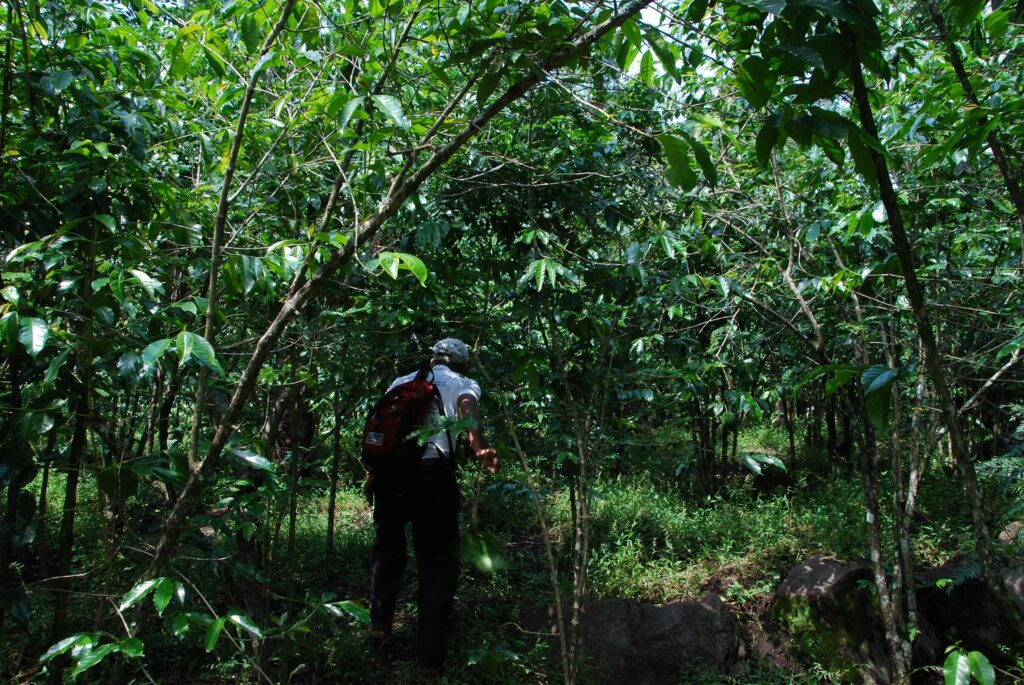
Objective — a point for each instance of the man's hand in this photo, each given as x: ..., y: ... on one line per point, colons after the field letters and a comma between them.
x: 488, y: 459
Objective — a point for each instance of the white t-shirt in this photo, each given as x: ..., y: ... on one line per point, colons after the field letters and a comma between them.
x: 451, y: 386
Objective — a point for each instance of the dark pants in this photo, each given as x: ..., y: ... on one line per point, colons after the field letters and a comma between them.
x: 431, y: 504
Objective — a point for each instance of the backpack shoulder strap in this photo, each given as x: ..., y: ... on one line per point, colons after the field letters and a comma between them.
x: 442, y: 413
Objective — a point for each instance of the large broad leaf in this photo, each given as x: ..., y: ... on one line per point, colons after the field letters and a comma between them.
x: 878, y: 378
x: 766, y: 139
x: 703, y: 158
x: 153, y: 352
x: 245, y: 622
x: 960, y: 14
x: 756, y: 80
x: 354, y: 610
x: 131, y: 647
x: 768, y: 6
x: 55, y: 366
x: 194, y: 346
x: 981, y: 668
x: 92, y: 657
x: 247, y: 457
x: 392, y: 262
x: 251, y: 34
x: 213, y: 633
x: 957, y: 669
x: 680, y: 173
x: 66, y: 644
x: 118, y: 482
x: 1011, y: 347
x: 33, y: 334
x: 390, y: 105
x: 840, y: 9
x: 138, y: 592
x: 148, y: 283
x: 164, y: 592
x: 347, y: 111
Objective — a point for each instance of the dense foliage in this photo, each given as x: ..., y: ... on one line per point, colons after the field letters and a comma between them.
x: 701, y: 250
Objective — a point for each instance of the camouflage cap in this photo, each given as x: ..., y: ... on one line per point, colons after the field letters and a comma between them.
x: 452, y: 348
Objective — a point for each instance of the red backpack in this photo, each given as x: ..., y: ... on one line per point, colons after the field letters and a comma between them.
x: 389, y: 440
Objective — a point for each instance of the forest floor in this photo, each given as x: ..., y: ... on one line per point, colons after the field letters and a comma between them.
x: 651, y: 541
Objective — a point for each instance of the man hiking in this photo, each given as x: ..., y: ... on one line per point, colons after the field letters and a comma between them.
x: 426, y: 495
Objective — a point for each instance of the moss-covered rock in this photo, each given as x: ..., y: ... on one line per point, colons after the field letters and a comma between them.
x: 827, y: 610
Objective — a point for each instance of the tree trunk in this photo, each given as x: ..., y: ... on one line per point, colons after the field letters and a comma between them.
x: 933, y: 361
x: 335, y: 461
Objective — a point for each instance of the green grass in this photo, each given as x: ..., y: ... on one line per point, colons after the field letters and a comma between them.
x: 650, y: 540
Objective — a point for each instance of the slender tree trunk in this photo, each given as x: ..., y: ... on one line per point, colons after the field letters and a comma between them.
x: 42, y: 551
x: 933, y: 361
x: 788, y: 421
x: 335, y: 461
x: 293, y: 483
x: 82, y: 412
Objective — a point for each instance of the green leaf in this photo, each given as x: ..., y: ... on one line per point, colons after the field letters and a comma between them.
x: 960, y: 14
x: 131, y: 647
x: 766, y: 139
x: 756, y: 80
x: 353, y: 609
x: 877, y: 378
x: 393, y: 108
x: 244, y: 622
x: 33, y: 334
x: 647, y: 68
x: 213, y: 633
x: 1011, y: 347
x: 192, y: 345
x: 118, y: 482
x: 164, y: 592
x: 60, y: 80
x: 64, y: 645
x: 997, y: 24
x: 251, y: 34
x: 703, y: 158
x: 92, y: 657
x: 148, y: 283
x: 10, y: 293
x: 249, y: 458
x: 138, y: 592
x: 697, y: 9
x: 862, y: 160
x: 840, y: 9
x: 488, y: 82
x: 153, y: 352
x: 268, y: 60
x: 347, y: 111
x: 767, y: 6
x: 981, y: 668
x: 957, y: 669
x: 107, y: 221
x: 680, y: 173
x: 55, y: 366
x: 392, y: 262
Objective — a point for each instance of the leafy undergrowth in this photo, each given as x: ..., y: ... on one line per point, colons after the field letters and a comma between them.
x: 650, y: 541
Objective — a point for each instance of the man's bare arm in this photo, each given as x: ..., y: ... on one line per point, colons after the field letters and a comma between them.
x: 488, y: 456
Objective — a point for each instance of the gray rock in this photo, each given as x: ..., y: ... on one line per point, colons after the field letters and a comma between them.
x: 963, y: 610
x: 826, y: 607
x: 641, y: 644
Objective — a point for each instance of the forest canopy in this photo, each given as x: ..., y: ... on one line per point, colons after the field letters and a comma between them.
x: 737, y: 276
